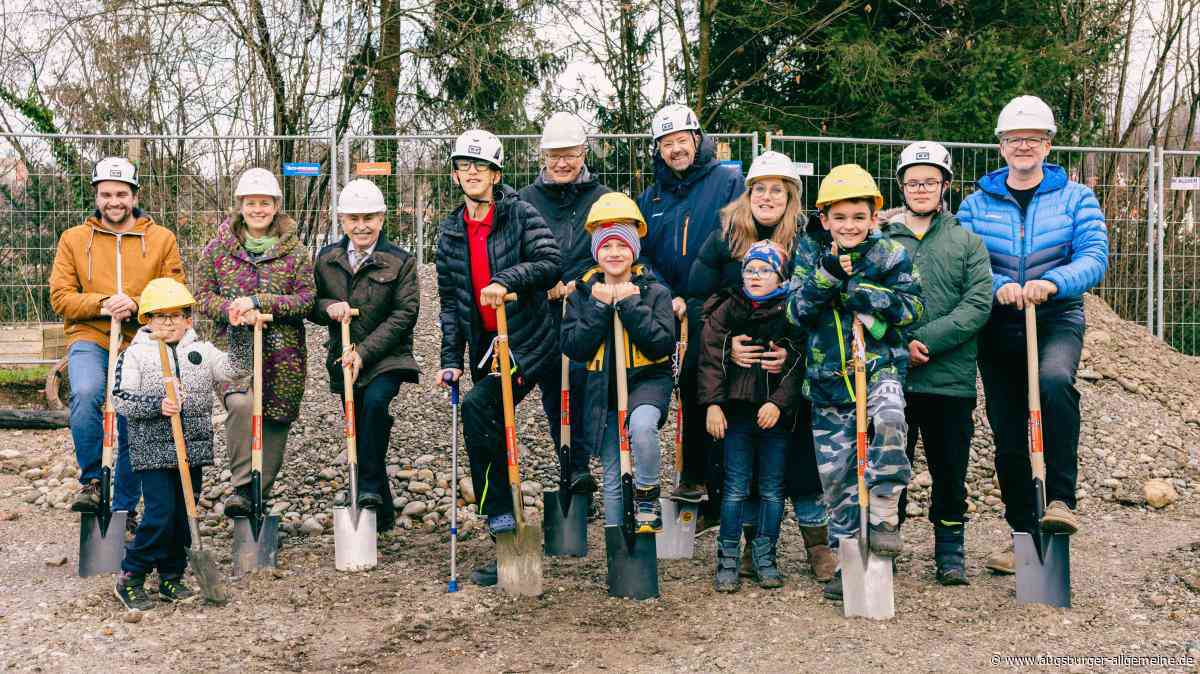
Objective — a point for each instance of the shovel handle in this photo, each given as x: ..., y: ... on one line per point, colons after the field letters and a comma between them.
x: 185, y: 474
x: 564, y: 413
x: 256, y: 423
x: 1037, y: 459
x: 622, y: 393
x: 348, y: 395
x: 682, y: 349
x: 510, y: 423
x: 860, y: 410
x: 110, y: 413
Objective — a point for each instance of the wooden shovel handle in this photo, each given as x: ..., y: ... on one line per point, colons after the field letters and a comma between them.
x: 185, y: 474
x: 348, y: 396
x: 859, y: 351
x: 683, y: 340
x: 1037, y: 459
x: 256, y: 412
x: 506, y: 392
x: 564, y: 403
x: 622, y: 393
x: 110, y: 413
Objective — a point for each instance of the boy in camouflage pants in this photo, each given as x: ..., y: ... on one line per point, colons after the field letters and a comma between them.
x: 846, y: 270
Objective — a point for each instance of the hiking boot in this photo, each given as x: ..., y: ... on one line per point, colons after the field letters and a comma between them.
x: 1059, y: 519
x: 582, y: 482
x: 727, y: 579
x: 820, y: 556
x: 766, y: 570
x: 884, y: 539
x: 1001, y: 561
x: 689, y: 493
x: 486, y: 575
x: 746, y: 568
x: 131, y: 593
x: 369, y: 499
x: 173, y: 589
x: 949, y: 554
x: 88, y: 498
x: 501, y: 524
x: 647, y: 510
x: 238, y: 503
x: 131, y: 522
x: 833, y: 589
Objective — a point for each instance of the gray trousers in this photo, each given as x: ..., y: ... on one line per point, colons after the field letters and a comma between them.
x: 238, y: 440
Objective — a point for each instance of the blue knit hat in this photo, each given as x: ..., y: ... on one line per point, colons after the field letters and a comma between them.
x: 624, y: 232
x: 765, y: 251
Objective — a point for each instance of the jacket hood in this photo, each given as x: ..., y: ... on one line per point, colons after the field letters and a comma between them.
x: 705, y: 161
x: 145, y: 335
x: 994, y: 183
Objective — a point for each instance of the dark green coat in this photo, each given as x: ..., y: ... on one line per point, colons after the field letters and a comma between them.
x: 956, y: 288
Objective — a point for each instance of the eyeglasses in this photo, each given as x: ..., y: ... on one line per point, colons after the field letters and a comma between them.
x: 169, y: 318
x: 922, y: 185
x: 565, y: 157
x: 465, y: 165
x: 757, y: 272
x: 1023, y: 141
x: 775, y: 191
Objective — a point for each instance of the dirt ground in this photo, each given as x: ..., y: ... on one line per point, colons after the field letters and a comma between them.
x: 1134, y: 582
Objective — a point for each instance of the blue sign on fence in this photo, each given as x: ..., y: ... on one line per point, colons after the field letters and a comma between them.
x: 732, y: 162
x: 301, y: 168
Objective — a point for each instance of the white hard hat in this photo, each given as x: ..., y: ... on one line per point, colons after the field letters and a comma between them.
x: 925, y: 153
x: 479, y: 144
x: 771, y: 164
x: 115, y: 168
x: 1026, y: 112
x: 258, y: 181
x: 563, y: 130
x: 360, y: 196
x: 674, y: 117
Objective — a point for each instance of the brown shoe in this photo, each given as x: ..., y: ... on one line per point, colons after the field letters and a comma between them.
x: 820, y: 556
x: 1059, y: 519
x: 88, y: 498
x: 1001, y: 560
x: 689, y: 493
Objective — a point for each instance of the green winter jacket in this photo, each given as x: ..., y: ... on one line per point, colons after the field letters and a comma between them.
x: 956, y: 289
x: 884, y: 285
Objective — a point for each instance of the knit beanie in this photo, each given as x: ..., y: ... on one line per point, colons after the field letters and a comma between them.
x: 622, y: 231
x: 764, y: 251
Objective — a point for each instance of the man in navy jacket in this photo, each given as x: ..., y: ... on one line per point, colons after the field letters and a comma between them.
x: 1048, y: 244
x: 682, y: 208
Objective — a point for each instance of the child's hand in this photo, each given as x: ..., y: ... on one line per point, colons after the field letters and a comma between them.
x: 172, y: 407
x: 623, y: 290
x: 715, y: 422
x: 603, y: 293
x: 918, y: 353
x: 838, y: 266
x: 768, y: 416
x: 844, y: 260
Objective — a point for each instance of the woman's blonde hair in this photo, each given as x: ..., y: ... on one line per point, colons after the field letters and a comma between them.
x: 737, y: 223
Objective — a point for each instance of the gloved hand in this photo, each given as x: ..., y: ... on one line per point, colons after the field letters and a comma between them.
x: 832, y: 264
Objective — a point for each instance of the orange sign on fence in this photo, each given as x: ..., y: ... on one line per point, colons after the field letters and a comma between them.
x: 373, y: 168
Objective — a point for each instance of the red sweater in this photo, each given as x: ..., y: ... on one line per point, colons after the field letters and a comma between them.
x: 478, y: 232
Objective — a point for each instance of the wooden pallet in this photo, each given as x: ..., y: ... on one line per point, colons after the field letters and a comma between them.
x: 32, y: 344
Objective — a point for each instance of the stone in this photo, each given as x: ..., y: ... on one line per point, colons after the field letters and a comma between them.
x: 327, y: 474
x: 424, y: 460
x: 32, y: 474
x: 405, y: 474
x: 419, y: 487
x: 466, y: 490
x: 1158, y: 600
x: 414, y: 509
x: 311, y: 527
x: 133, y: 616
x: 9, y: 515
x: 426, y: 475
x: 56, y: 561
x: 9, y: 454
x: 923, y: 479
x: 1159, y: 493
x: 531, y: 488
x: 1088, y: 374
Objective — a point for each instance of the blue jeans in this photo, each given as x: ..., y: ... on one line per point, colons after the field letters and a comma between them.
x: 163, y: 536
x: 643, y: 445
x: 747, y: 445
x: 87, y: 368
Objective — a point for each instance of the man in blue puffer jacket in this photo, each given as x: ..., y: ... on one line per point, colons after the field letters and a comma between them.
x: 682, y: 209
x: 1048, y: 244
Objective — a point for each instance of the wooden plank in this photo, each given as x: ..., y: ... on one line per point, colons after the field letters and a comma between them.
x: 23, y: 334
x: 20, y: 348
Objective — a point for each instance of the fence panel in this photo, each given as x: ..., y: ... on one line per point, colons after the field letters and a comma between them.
x: 187, y: 185
x: 1179, y: 250
x: 414, y: 173
x: 1122, y: 179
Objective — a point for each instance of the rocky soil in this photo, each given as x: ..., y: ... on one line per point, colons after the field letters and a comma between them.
x: 1136, y: 566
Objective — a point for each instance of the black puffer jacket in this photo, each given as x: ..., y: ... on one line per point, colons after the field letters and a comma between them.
x: 524, y: 258
x: 565, y: 208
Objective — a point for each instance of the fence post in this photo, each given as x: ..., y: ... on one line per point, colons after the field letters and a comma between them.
x: 754, y: 147
x: 1151, y: 244
x: 333, y: 186
x: 1159, y: 239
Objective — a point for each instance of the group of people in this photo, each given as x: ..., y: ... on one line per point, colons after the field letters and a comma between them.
x: 772, y: 297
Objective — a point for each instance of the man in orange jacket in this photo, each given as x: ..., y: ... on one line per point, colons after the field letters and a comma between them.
x: 100, y: 268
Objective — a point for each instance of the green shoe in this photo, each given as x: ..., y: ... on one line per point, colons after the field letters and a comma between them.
x: 131, y: 593
x: 173, y: 589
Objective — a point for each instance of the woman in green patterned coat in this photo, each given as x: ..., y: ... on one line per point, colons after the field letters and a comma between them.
x: 257, y: 263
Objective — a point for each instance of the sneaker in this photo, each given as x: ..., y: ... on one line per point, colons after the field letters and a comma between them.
x: 884, y: 539
x: 582, y: 482
x: 833, y: 589
x: 501, y: 524
x: 88, y: 498
x: 1059, y: 519
x: 131, y: 593
x: 647, y: 515
x: 486, y: 575
x: 369, y: 499
x: 689, y: 493
x: 1001, y: 561
x: 173, y: 589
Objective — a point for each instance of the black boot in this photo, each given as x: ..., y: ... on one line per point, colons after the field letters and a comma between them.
x: 727, y: 579
x: 131, y: 592
x: 766, y: 570
x: 486, y: 575
x: 238, y: 503
x: 949, y: 554
x: 746, y: 569
x: 833, y: 589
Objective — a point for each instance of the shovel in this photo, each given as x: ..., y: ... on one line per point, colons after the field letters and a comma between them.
x: 256, y: 538
x: 354, y: 534
x: 1042, y: 560
x: 632, y: 557
x: 102, y: 535
x: 518, y: 553
x: 866, y: 576
x: 677, y: 540
x: 204, y: 567
x: 566, y: 526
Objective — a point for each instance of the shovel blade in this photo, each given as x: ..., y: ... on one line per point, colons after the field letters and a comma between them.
x: 354, y: 548
x: 208, y: 576
x: 519, y: 561
x: 1044, y: 578
x: 677, y: 540
x: 632, y: 570
x: 866, y: 582
x: 566, y: 535
x: 249, y: 552
x: 101, y: 551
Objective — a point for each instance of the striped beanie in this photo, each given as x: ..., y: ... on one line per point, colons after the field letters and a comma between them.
x: 765, y: 251
x: 625, y: 232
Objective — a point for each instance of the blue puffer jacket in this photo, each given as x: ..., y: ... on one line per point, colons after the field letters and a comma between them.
x: 683, y: 211
x: 1062, y: 238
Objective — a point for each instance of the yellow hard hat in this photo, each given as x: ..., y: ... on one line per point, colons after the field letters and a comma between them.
x: 848, y: 181
x: 615, y: 207
x: 163, y: 293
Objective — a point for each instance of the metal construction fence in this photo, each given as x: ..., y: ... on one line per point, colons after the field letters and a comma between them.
x: 1149, y: 197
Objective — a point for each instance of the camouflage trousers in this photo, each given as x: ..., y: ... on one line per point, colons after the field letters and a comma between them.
x: 888, y: 470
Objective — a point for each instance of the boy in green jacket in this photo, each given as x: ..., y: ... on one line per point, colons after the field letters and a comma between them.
x: 939, y: 392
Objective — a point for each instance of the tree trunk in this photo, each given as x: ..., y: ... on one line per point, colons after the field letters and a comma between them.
x: 708, y: 8
x: 35, y: 419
